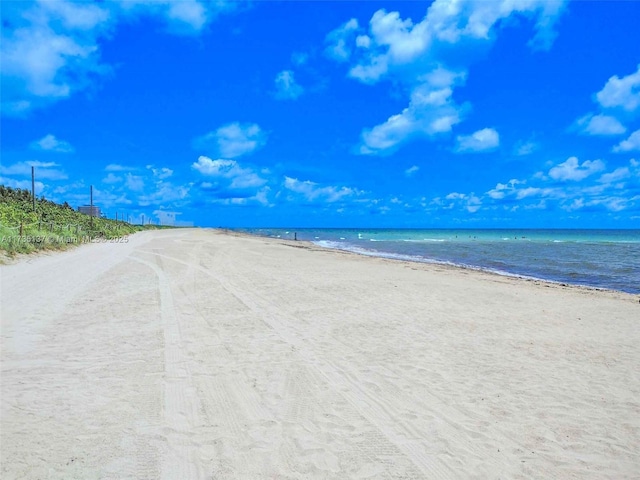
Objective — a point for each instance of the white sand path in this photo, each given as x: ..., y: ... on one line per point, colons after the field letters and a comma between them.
x: 188, y: 354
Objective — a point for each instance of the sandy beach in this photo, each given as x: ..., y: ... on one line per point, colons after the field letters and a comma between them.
x: 198, y: 354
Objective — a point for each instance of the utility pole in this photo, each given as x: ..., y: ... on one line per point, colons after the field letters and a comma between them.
x: 91, y: 206
x: 33, y: 187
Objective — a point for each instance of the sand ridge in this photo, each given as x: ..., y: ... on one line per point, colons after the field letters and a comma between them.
x: 202, y: 354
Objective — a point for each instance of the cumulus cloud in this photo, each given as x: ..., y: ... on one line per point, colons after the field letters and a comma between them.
x: 52, y: 144
x: 480, y: 141
x: 183, y: 17
x: 49, y: 52
x: 469, y: 202
x: 503, y: 189
x: 237, y: 177
x: 134, y: 182
x: 431, y: 112
x: 395, y: 42
x: 573, y: 170
x: 111, y: 178
x: 22, y: 184
x: 338, y: 41
x: 410, y: 53
x: 51, y: 49
x: 315, y: 193
x: 600, y: 125
x: 233, y: 140
x: 190, y: 13
x: 631, y: 143
x: 164, y: 194
x: 621, y: 92
x: 43, y: 170
x: 286, y: 86
x: 612, y: 191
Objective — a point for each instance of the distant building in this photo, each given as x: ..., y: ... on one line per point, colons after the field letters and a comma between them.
x: 89, y: 210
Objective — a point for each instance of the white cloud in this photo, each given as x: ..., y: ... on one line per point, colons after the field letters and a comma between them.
x: 470, y: 202
x: 600, y: 125
x: 114, y: 167
x: 536, y: 192
x: 51, y: 143
x: 480, y: 141
x: 338, y: 40
x: 148, y: 188
x: 631, y: 143
x: 456, y: 196
x: 411, y: 170
x: 50, y: 52
x: 183, y: 17
x: 313, y: 192
x: 571, y: 169
x: 233, y: 140
x: 165, y: 194
x: 51, y: 49
x: 160, y: 173
x: 610, y: 191
x: 409, y: 54
x: 396, y: 42
x: 503, y: 189
x: 621, y: 92
x: 617, y: 175
x: 525, y: 148
x: 43, y: 170
x: 286, y: 86
x: 238, y: 176
x: 613, y: 204
x: 111, y: 178
x: 134, y: 182
x: 22, y: 184
x: 363, y: 41
x: 431, y: 112
x: 191, y: 13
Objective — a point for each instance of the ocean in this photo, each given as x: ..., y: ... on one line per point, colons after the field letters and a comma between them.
x: 596, y: 258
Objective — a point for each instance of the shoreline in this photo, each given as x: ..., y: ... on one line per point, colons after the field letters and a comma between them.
x: 17, y: 258
x: 435, y: 264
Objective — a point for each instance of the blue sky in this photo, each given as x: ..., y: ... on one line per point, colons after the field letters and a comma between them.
x: 343, y: 114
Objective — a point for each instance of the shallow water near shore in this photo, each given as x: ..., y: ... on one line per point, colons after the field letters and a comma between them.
x: 596, y: 258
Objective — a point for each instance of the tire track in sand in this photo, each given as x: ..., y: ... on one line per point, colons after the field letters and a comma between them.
x: 181, y: 403
x: 377, y: 417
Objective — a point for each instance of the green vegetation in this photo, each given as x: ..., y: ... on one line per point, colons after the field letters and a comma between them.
x: 51, y: 226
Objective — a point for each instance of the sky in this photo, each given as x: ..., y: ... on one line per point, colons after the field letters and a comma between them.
x: 391, y: 114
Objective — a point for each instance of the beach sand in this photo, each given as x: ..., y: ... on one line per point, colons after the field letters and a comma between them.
x: 187, y: 354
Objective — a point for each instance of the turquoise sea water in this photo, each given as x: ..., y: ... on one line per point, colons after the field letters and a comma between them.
x: 597, y: 258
